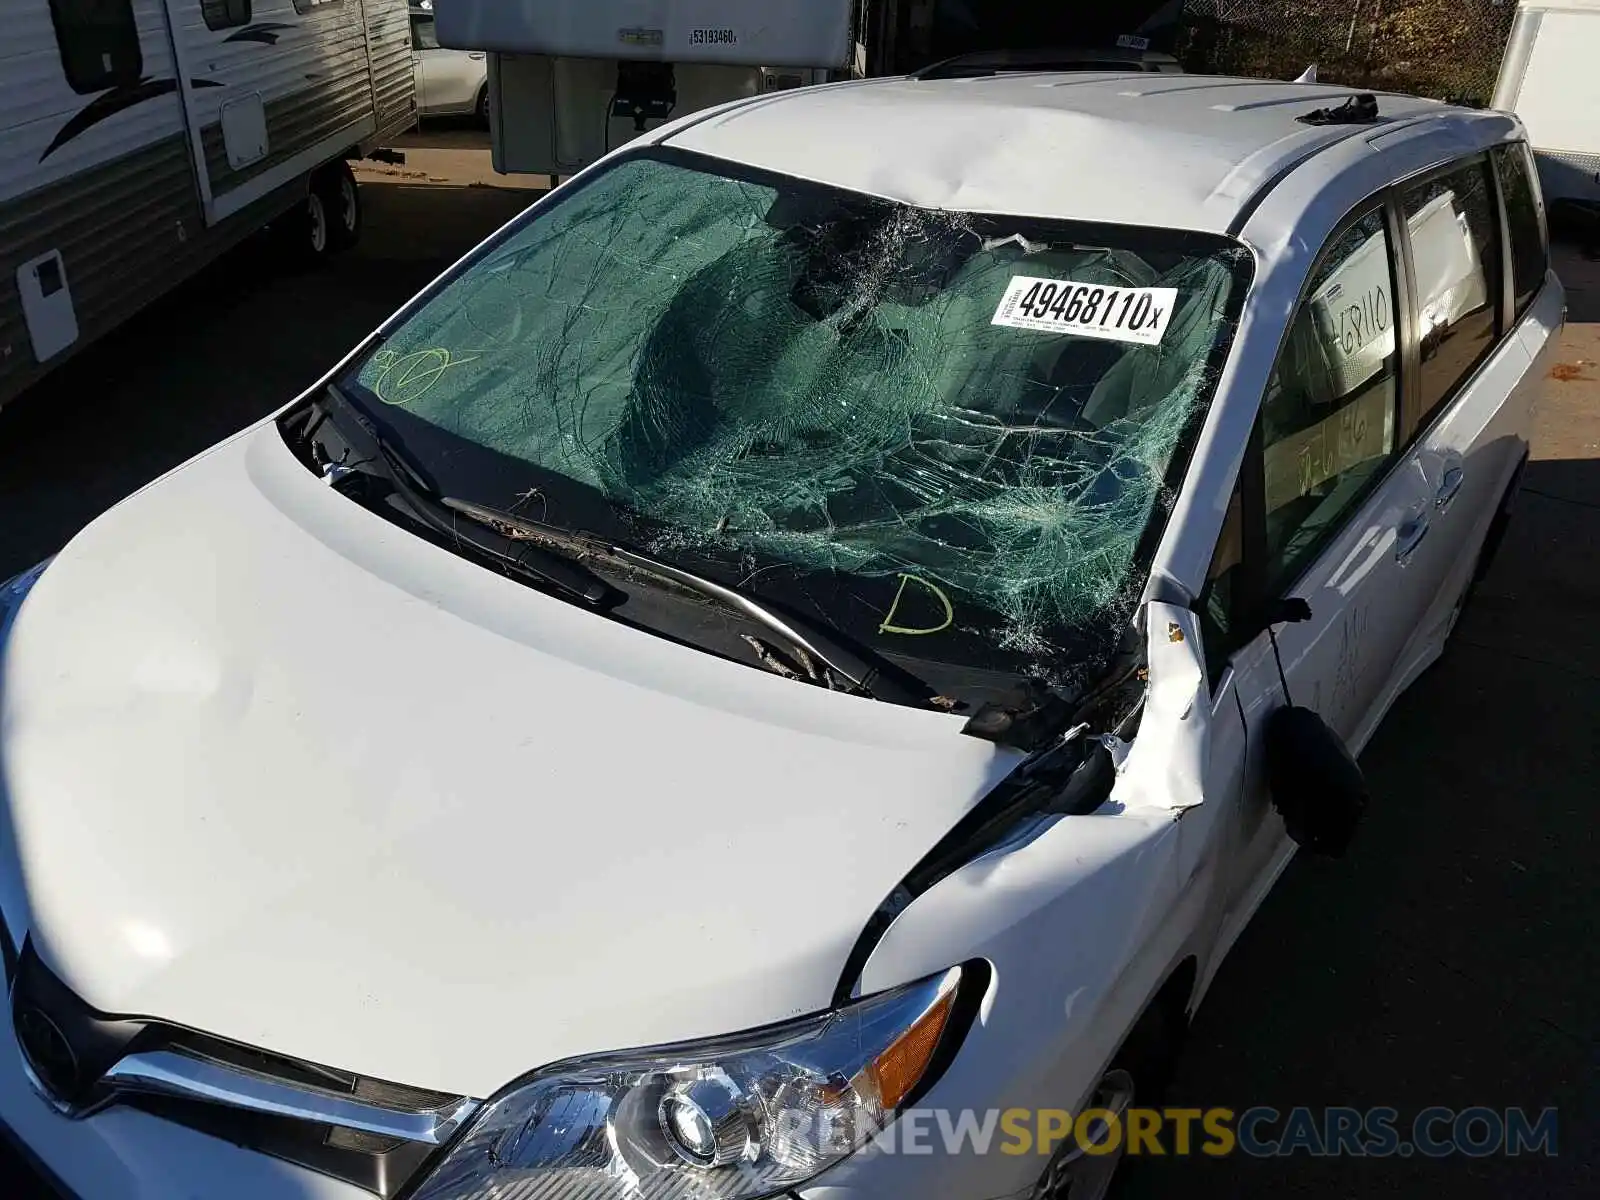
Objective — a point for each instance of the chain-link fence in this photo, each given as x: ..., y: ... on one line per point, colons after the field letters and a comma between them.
x: 1446, y: 49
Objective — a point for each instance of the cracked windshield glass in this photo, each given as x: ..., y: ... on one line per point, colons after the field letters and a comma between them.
x: 951, y: 438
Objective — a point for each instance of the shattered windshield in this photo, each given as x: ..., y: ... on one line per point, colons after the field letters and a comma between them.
x: 951, y: 437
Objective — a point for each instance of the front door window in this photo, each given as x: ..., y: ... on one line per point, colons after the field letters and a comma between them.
x: 1328, y: 421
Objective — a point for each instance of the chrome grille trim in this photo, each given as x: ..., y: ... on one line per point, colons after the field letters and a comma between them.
x: 165, y: 1073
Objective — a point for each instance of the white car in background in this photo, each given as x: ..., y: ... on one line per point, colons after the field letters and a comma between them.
x: 449, y: 82
x: 846, y: 607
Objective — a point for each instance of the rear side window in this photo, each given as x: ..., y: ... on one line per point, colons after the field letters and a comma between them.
x: 1455, y: 251
x: 99, y: 43
x: 1530, y: 259
x: 225, y: 14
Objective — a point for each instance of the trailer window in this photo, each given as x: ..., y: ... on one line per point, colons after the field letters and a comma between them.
x: 1530, y: 259
x: 225, y: 14
x: 99, y: 43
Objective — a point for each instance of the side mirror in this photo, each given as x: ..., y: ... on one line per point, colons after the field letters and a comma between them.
x: 1316, y: 785
x: 1291, y: 610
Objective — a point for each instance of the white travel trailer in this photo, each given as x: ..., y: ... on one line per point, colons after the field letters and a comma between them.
x: 570, y: 80
x: 1550, y: 77
x: 140, y: 138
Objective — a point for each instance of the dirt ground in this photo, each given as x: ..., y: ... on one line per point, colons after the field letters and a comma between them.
x: 1451, y: 960
x: 448, y: 153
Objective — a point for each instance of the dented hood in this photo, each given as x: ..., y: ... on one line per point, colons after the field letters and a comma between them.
x: 283, y: 772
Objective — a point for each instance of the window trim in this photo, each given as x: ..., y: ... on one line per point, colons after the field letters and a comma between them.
x: 1523, y: 151
x: 1248, y: 612
x: 1530, y: 159
x: 1409, y: 416
x: 1508, y: 284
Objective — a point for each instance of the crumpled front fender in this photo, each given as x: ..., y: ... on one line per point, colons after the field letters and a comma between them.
x: 1082, y: 918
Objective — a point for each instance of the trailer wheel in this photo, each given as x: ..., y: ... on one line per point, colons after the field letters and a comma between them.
x: 340, y: 197
x: 304, y: 234
x: 314, y: 232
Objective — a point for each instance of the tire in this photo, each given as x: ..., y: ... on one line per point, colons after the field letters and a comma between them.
x: 481, y: 108
x: 303, y: 232
x: 1139, y: 1074
x: 1075, y: 1175
x: 340, y: 197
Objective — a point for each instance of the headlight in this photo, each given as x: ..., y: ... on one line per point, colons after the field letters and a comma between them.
x: 735, y: 1118
x: 12, y: 592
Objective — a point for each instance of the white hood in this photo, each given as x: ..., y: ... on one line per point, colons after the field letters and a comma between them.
x: 283, y: 772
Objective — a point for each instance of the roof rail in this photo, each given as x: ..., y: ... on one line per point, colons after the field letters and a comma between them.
x: 985, y: 63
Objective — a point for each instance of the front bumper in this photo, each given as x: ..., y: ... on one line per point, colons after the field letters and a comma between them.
x: 124, y: 1154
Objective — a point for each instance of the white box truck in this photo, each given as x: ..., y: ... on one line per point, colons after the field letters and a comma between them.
x: 570, y: 80
x: 1550, y: 77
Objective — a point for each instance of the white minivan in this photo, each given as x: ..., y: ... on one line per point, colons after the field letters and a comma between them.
x: 819, y: 633
x: 449, y: 82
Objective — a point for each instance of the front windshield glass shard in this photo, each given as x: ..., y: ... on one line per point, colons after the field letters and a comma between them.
x: 952, y: 436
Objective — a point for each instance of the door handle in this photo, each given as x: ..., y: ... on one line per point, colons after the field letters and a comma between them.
x: 476, y: 56
x: 1454, y: 477
x: 1408, y: 538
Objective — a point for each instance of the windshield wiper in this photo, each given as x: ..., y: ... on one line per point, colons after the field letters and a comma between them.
x: 535, y: 561
x: 879, y: 680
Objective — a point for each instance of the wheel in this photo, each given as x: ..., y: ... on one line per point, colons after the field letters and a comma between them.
x: 1074, y: 1173
x: 482, y: 107
x: 307, y: 228
x: 1140, y: 1073
x: 340, y: 197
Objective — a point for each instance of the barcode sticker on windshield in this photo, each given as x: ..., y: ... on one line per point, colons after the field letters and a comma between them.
x: 1096, y: 310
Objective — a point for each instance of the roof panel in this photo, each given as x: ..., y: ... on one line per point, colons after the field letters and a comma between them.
x: 1180, y: 151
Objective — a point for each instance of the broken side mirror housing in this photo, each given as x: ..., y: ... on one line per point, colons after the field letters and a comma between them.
x: 1315, y: 782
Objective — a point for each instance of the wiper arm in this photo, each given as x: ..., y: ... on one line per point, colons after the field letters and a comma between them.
x: 536, y: 561
x: 878, y: 680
